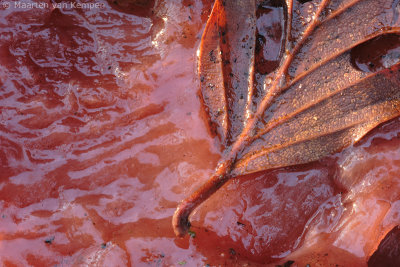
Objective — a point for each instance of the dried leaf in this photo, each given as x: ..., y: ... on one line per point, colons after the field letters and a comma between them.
x: 320, y: 99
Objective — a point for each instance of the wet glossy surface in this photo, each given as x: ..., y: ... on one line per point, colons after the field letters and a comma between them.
x: 102, y: 134
x: 269, y: 37
x: 377, y: 54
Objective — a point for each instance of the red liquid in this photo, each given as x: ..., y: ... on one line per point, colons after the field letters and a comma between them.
x: 102, y: 134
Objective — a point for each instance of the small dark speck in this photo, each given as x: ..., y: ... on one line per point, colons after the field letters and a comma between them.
x: 190, y: 18
x: 49, y: 240
x: 286, y: 264
x: 212, y: 56
x: 189, y: 113
x: 232, y: 251
x: 109, y: 67
x: 103, y: 246
x: 240, y: 224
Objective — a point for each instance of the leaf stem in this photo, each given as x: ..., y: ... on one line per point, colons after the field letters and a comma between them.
x: 180, y: 220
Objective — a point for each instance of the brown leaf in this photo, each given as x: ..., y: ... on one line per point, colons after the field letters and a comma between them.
x: 324, y: 95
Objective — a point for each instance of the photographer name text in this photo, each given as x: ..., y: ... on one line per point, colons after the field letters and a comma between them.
x: 64, y: 5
